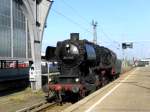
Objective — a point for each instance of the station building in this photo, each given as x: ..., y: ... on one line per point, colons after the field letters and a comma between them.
x: 14, y: 32
x: 22, y: 24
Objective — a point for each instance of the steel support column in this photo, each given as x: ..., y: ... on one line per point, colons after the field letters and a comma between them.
x: 36, y: 22
x: 12, y: 34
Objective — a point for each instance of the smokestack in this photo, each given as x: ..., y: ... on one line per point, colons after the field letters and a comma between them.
x: 74, y: 36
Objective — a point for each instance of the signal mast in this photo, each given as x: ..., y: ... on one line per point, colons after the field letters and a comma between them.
x: 94, y: 24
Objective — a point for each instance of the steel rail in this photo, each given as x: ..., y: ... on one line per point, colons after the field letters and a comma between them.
x: 37, y: 107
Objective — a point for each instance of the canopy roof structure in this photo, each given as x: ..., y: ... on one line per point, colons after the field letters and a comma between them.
x: 36, y: 12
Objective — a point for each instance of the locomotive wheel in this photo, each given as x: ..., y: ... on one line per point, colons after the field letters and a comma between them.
x: 82, y: 94
x: 59, y: 97
x: 92, y: 90
x: 117, y: 75
x: 98, y: 86
x: 105, y: 81
x: 75, y: 98
x: 51, y: 95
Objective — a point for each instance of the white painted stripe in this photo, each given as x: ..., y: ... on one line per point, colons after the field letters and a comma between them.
x: 100, y: 100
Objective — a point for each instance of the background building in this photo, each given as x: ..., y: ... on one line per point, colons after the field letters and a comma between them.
x: 18, y: 20
x: 14, y: 36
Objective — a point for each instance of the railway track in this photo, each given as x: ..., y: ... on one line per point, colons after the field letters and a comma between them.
x: 36, y: 107
x: 45, y: 107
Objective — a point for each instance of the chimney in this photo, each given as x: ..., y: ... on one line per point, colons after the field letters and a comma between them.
x: 74, y: 36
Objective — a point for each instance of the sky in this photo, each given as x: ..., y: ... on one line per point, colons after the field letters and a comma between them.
x: 118, y: 21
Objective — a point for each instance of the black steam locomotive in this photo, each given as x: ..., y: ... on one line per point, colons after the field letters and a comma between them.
x: 84, y: 67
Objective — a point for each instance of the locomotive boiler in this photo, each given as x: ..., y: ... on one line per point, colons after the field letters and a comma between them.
x: 84, y: 67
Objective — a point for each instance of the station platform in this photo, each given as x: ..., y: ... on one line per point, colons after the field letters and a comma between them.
x: 129, y: 93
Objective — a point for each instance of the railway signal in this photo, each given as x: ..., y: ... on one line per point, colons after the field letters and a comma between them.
x: 127, y: 45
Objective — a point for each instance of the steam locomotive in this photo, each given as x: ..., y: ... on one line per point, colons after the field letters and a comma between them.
x: 84, y: 67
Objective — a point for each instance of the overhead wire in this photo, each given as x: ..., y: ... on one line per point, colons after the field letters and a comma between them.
x: 77, y: 12
x: 71, y: 20
x: 83, y: 18
x: 106, y: 35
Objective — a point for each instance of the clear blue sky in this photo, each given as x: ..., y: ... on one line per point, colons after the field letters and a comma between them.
x: 118, y: 20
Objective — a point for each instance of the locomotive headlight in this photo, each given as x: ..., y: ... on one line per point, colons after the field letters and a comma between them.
x: 67, y: 45
x: 68, y: 48
x: 77, y: 79
x: 50, y: 79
